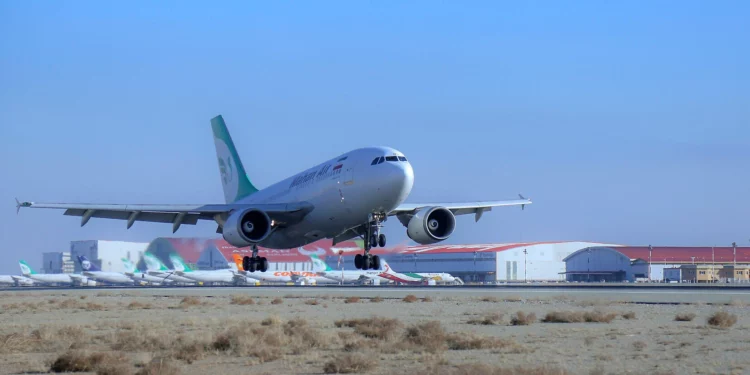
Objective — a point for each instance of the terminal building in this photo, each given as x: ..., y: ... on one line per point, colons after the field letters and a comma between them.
x: 107, y: 255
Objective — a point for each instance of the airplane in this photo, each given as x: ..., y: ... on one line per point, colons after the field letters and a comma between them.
x: 344, y: 276
x: 342, y: 198
x: 283, y: 276
x: 208, y: 276
x: 142, y: 277
x: 158, y: 269
x: 15, y: 280
x: 50, y: 278
x: 92, y: 271
x: 415, y: 278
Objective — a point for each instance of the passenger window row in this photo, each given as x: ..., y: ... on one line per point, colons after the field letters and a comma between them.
x: 381, y: 159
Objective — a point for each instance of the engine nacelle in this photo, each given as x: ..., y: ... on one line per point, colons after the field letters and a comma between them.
x: 247, y: 227
x: 430, y: 225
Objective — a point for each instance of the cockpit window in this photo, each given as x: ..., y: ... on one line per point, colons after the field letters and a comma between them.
x: 391, y: 158
x: 375, y: 161
x: 402, y: 158
x: 382, y: 159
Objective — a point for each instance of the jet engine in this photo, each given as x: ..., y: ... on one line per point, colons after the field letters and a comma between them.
x: 247, y: 227
x: 430, y: 225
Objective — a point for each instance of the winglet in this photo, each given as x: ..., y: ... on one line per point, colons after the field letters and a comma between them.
x: 21, y: 204
x: 524, y: 198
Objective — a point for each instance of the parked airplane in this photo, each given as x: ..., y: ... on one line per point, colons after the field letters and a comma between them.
x: 344, y: 276
x: 50, y: 278
x: 416, y: 278
x: 345, y: 197
x: 297, y: 277
x: 93, y: 271
x: 15, y: 280
x: 158, y: 269
x: 209, y: 276
x: 142, y: 277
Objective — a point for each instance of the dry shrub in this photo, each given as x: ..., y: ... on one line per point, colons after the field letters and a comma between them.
x: 487, y: 320
x: 410, y: 298
x: 312, y: 302
x: 375, y: 327
x: 190, y: 301
x: 483, y: 369
x: 141, y: 340
x: 268, y: 343
x: 639, y: 345
x: 17, y: 343
x: 427, y: 299
x: 272, y: 320
x: 135, y: 305
x: 722, y: 319
x: 578, y: 317
x: 376, y: 299
x: 159, y: 366
x: 522, y: 319
x: 91, y: 306
x: 512, y: 299
x: 76, y: 361
x: 684, y: 317
x: 114, y: 369
x: 277, y: 301
x: 459, y: 341
x: 188, y: 350
x: 348, y: 363
x: 82, y: 297
x: 630, y: 315
x: 489, y: 299
x: 69, y: 304
x: 352, y: 299
x: 429, y: 336
x: 242, y: 300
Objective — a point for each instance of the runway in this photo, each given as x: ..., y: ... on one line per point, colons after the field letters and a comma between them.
x: 647, y: 295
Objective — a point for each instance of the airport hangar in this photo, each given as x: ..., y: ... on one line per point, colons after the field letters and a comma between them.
x: 657, y: 263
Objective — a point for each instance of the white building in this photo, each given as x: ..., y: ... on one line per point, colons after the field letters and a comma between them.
x: 107, y: 255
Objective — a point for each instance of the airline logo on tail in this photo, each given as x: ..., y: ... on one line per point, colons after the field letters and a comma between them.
x: 129, y: 266
x: 25, y: 269
x: 233, y: 177
x: 179, y: 264
x: 153, y: 263
x: 319, y: 265
x: 86, y: 265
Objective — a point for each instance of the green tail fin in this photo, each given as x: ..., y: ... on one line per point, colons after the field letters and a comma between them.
x: 319, y: 264
x: 179, y: 263
x: 25, y: 268
x: 129, y: 266
x: 233, y: 176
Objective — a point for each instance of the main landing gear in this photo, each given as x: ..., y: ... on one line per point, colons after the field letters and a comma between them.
x: 255, y: 263
x: 373, y: 238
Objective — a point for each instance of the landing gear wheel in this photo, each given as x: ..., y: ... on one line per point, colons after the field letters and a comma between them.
x: 246, y: 261
x: 375, y: 262
x: 381, y: 240
x: 374, y: 241
x: 366, y: 263
x: 263, y: 265
x: 358, y: 261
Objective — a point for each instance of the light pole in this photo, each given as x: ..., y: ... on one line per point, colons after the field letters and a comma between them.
x: 650, y: 249
x: 524, y: 265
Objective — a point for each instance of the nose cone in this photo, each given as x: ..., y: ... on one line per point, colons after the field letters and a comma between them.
x: 400, y: 181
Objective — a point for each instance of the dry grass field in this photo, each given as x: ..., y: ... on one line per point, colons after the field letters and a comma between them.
x: 240, y: 331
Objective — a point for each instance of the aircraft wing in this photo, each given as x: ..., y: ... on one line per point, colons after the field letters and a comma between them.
x: 176, y: 214
x: 476, y: 208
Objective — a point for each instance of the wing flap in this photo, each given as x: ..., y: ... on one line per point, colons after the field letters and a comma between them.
x: 404, y: 211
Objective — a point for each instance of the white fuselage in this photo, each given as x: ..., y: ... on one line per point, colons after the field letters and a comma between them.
x: 171, y: 275
x: 7, y: 279
x: 288, y: 277
x: 213, y: 276
x: 108, y: 277
x: 140, y: 277
x: 352, y: 276
x: 51, y: 278
x: 343, y: 192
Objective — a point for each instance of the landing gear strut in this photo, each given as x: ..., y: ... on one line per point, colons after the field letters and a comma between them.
x: 372, y: 238
x: 255, y: 262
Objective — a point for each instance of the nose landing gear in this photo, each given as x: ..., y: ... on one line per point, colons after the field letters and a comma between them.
x: 255, y: 262
x: 373, y: 238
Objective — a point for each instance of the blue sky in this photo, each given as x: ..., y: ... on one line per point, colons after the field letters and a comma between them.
x: 626, y: 122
